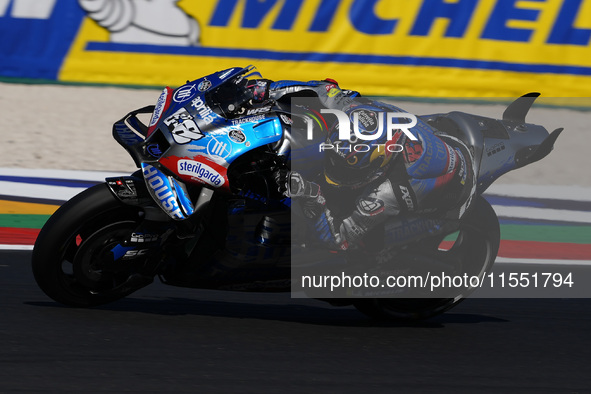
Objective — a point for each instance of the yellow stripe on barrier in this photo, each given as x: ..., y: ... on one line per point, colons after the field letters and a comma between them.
x: 499, y: 48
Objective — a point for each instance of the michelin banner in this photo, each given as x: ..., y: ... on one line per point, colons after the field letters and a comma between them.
x: 423, y: 48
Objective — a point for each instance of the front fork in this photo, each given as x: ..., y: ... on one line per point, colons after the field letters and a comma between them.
x: 158, y: 240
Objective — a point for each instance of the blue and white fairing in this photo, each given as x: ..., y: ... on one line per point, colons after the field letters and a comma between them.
x: 202, y: 139
x: 195, y: 134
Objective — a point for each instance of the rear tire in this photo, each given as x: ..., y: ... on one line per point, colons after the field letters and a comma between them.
x: 71, y: 254
x: 478, y: 241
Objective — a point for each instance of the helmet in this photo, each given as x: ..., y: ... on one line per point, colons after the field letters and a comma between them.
x: 356, y: 162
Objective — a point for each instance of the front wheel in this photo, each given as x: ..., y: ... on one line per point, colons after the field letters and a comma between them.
x: 474, y: 250
x: 72, y: 260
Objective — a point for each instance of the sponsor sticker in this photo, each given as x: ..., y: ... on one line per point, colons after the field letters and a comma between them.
x: 225, y: 74
x: 452, y: 155
x: 203, y: 110
x: 329, y: 87
x: 219, y: 147
x: 286, y: 119
x: 162, y: 190
x: 204, y: 85
x: 495, y: 149
x: 367, y: 119
x: 184, y: 93
x: 249, y: 119
x: 132, y: 254
x: 154, y: 150
x: 160, y: 104
x: 333, y: 92
x: 370, y: 206
x: 143, y: 237
x: 256, y: 111
x: 200, y: 171
x: 124, y: 189
x: 406, y: 197
x: 237, y: 136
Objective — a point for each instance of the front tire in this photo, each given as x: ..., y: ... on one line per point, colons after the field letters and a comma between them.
x: 72, y: 253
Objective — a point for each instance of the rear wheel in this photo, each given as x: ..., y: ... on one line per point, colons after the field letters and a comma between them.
x: 72, y: 259
x: 475, y: 249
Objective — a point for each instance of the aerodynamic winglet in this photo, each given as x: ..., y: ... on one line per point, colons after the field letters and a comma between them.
x: 519, y: 108
x: 531, y: 154
x: 545, y: 147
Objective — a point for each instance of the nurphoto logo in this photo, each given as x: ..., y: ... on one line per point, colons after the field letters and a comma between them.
x: 388, y: 122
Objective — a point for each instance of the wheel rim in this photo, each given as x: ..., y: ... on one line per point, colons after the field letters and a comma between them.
x: 86, y: 266
x: 94, y: 266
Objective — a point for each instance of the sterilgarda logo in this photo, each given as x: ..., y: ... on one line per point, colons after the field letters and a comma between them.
x: 201, y: 171
x: 373, y: 123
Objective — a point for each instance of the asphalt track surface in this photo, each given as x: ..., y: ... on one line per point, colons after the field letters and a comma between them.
x: 165, y: 339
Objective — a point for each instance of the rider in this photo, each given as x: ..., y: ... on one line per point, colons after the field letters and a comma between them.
x: 434, y: 172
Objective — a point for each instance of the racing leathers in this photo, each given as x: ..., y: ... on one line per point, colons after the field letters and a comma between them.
x: 433, y: 173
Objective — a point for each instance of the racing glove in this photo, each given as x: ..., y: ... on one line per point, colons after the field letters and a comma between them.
x: 292, y: 184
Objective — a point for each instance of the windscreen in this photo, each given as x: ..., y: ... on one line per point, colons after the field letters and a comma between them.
x: 231, y: 98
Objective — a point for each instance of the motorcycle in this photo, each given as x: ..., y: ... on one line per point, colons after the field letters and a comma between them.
x: 201, y: 211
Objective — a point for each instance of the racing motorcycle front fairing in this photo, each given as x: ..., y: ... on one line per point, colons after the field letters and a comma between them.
x: 194, y: 135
